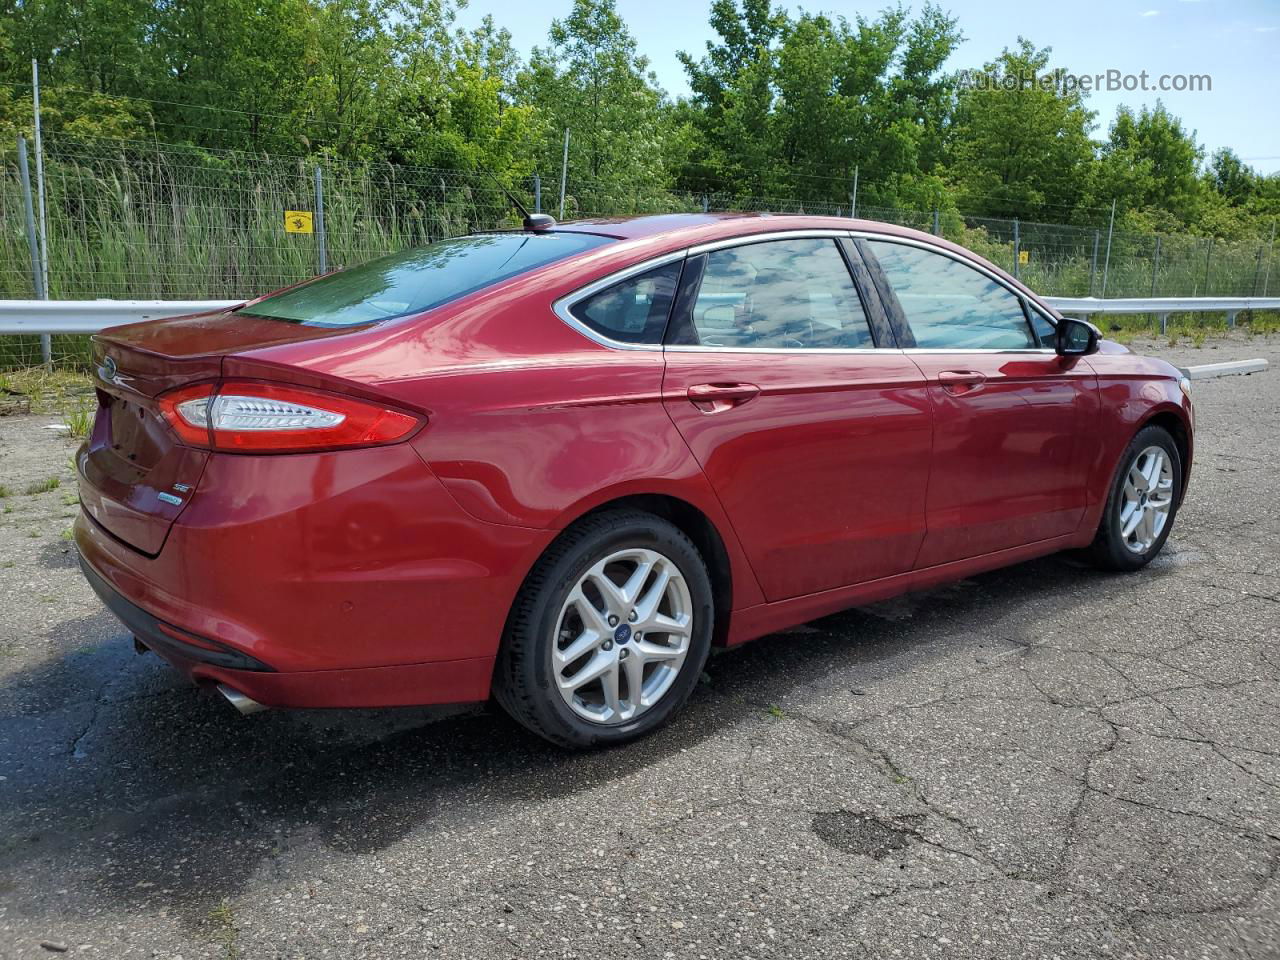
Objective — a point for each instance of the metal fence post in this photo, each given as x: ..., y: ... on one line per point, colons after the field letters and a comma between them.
x: 537, y: 194
x: 1093, y: 264
x: 706, y: 204
x: 937, y: 223
x: 1106, y: 263
x: 1266, y: 274
x: 1017, y: 244
x: 37, y: 275
x: 1155, y: 266
x: 44, y: 214
x: 564, y: 171
x: 1208, y: 254
x: 853, y: 194
x: 321, y: 254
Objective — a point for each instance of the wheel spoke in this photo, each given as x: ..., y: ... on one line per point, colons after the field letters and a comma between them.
x: 591, y: 617
x: 1155, y: 465
x: 611, y: 592
x: 612, y: 701
x: 586, y: 641
x: 598, y: 666
x: 1138, y: 479
x: 1130, y: 519
x: 647, y: 606
x: 635, y: 583
x: 634, y: 666
x: 657, y: 652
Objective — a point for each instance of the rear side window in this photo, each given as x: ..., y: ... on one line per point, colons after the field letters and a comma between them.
x: 950, y: 305
x: 781, y: 294
x: 634, y: 310
x: 416, y: 280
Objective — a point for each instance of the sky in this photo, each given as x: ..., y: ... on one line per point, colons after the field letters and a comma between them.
x: 1235, y: 42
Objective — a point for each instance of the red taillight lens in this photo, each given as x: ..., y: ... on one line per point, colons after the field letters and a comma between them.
x: 252, y: 417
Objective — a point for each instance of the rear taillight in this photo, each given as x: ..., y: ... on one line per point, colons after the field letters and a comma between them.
x: 252, y: 417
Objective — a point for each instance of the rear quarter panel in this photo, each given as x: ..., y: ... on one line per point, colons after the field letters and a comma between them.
x: 529, y: 422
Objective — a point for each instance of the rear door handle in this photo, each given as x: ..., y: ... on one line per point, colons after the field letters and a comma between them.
x: 958, y: 382
x: 715, y: 397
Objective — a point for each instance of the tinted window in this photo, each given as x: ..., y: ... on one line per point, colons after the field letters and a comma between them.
x: 793, y: 294
x: 951, y: 305
x: 633, y: 310
x: 415, y: 280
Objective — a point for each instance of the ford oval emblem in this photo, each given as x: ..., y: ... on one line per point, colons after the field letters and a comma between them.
x: 108, y: 369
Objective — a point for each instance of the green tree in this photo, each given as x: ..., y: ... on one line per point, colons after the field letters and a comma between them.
x: 1020, y: 143
x: 591, y: 80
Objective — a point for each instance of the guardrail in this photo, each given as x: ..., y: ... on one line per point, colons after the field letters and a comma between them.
x: 90, y: 316
x: 1163, y: 306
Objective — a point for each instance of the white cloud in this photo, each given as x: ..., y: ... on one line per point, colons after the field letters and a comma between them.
x: 1151, y: 13
x: 1265, y: 29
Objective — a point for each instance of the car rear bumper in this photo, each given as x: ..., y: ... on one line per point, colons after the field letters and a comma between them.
x: 329, y: 580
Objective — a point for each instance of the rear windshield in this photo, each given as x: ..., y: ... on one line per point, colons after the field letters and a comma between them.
x: 416, y: 280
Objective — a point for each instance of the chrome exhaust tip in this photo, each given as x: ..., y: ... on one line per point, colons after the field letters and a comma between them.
x: 245, y: 705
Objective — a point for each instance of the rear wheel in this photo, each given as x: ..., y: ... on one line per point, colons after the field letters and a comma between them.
x: 609, y: 633
x: 1142, y: 503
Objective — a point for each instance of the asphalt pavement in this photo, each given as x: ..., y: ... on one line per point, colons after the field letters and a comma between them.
x: 1044, y: 761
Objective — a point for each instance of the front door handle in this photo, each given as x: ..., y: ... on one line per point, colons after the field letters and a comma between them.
x: 715, y: 397
x: 959, y: 382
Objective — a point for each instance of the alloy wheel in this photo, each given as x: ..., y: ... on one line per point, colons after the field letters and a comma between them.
x: 622, y: 636
x: 1146, y: 499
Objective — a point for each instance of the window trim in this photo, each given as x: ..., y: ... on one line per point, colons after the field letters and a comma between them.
x: 562, y: 306
x: 898, y: 316
x: 893, y: 314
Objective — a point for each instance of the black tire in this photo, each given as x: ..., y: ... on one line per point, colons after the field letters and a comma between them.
x: 1109, y: 550
x: 523, y: 681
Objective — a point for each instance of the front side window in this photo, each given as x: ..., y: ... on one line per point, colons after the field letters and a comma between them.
x: 790, y: 294
x: 416, y: 280
x: 950, y: 305
x: 634, y: 310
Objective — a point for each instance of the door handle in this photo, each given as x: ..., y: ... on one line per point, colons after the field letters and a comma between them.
x: 715, y: 397
x: 959, y: 382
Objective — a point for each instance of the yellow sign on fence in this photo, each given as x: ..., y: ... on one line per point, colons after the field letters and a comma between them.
x: 297, y: 221
x: 1024, y: 256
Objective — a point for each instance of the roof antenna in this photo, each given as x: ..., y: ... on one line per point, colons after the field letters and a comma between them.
x: 532, y: 221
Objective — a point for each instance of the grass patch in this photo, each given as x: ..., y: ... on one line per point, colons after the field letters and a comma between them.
x: 78, y: 419
x: 43, y: 486
x: 50, y: 391
x: 775, y: 711
x: 5, y: 491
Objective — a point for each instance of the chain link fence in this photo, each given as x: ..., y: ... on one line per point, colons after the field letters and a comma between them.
x: 142, y: 220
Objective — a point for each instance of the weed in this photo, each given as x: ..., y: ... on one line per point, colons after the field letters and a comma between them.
x: 33, y: 535
x: 79, y: 420
x: 5, y: 491
x: 223, y: 919
x: 70, y: 499
x: 68, y: 534
x: 43, y: 486
x: 775, y: 711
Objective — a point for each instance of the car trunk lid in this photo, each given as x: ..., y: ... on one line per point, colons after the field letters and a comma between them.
x: 136, y: 476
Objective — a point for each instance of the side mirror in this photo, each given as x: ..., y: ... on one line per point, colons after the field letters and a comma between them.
x: 1075, y: 338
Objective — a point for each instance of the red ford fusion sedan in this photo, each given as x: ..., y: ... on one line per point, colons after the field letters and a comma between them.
x: 557, y: 465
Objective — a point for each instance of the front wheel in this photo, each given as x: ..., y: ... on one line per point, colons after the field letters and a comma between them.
x: 609, y: 633
x: 1142, y: 503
